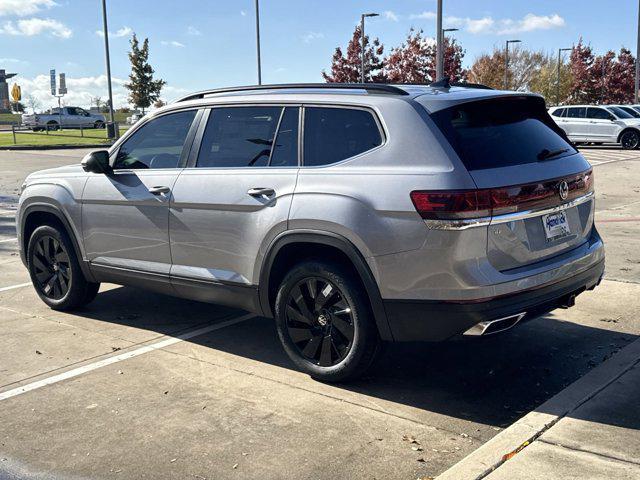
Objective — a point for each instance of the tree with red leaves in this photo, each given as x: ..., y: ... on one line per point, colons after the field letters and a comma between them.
x: 346, y: 69
x: 585, y: 85
x: 415, y: 60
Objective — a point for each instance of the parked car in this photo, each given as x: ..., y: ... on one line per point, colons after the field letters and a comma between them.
x: 598, y: 124
x: 630, y: 109
x: 67, y: 117
x: 134, y: 118
x: 353, y: 214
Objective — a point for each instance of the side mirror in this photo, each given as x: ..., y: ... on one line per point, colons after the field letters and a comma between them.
x: 97, y: 162
x: 612, y: 118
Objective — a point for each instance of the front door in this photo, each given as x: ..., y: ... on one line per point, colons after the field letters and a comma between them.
x: 232, y: 200
x: 125, y: 215
x: 601, y: 126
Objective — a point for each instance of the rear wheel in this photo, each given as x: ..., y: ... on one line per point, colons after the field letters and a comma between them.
x: 53, y: 126
x: 324, y: 322
x: 630, y: 139
x: 55, y: 271
x: 98, y: 124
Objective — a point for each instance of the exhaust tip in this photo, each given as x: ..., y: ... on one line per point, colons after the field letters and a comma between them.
x: 494, y: 326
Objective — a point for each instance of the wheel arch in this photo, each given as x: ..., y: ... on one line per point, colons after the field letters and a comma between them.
x: 627, y: 129
x: 38, y: 214
x: 326, y: 244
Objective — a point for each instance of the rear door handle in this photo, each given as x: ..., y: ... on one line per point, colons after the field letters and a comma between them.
x: 159, y: 190
x: 261, y: 191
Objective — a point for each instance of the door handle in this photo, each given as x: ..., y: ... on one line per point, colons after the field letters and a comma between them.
x: 261, y: 191
x: 159, y: 190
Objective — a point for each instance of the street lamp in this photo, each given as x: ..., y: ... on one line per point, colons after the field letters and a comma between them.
x: 560, y: 50
x: 362, y: 17
x: 258, y: 42
x: 439, y: 37
x: 441, y: 58
x: 637, y: 84
x: 111, y: 133
x: 506, y: 63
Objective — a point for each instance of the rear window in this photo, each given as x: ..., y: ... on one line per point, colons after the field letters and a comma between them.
x: 558, y: 112
x: 502, y: 132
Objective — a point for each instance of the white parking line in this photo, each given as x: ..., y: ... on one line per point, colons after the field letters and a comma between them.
x: 119, y: 358
x: 11, y: 287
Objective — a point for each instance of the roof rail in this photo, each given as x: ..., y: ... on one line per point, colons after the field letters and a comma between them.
x: 471, y: 85
x: 368, y: 87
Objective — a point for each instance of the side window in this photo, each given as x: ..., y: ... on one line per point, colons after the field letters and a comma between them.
x: 72, y: 111
x: 335, y: 134
x: 157, y: 144
x: 559, y: 112
x: 285, y: 150
x: 598, y: 113
x: 576, y: 112
x: 239, y: 137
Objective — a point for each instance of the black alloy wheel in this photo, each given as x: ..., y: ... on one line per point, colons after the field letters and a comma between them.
x: 630, y: 140
x: 319, y: 321
x: 52, y: 267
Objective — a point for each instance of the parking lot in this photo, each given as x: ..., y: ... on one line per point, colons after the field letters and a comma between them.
x: 141, y: 385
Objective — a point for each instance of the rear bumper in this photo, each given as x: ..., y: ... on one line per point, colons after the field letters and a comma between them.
x: 426, y: 320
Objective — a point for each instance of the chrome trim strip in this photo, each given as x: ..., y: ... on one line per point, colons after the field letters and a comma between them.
x: 463, y: 224
x: 481, y: 328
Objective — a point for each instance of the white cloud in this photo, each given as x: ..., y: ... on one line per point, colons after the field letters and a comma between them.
x: 21, y: 8
x: 389, y: 15
x: 16, y: 61
x: 423, y: 15
x: 532, y: 22
x: 36, y: 26
x: 122, y: 32
x: 503, y: 26
x: 172, y: 43
x: 243, y: 13
x: 311, y: 36
x: 191, y: 30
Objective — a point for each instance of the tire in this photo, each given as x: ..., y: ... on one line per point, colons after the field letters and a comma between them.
x: 324, y: 321
x: 630, y: 140
x: 52, y: 126
x: 55, y: 271
x: 98, y: 124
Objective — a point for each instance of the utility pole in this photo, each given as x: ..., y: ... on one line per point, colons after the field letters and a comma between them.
x: 113, y: 133
x: 258, y: 42
x: 362, y: 52
x: 506, y: 63
x: 441, y: 59
x: 637, y: 85
x: 560, y: 50
x: 439, y: 46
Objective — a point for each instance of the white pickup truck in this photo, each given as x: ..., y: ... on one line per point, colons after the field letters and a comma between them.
x: 67, y: 117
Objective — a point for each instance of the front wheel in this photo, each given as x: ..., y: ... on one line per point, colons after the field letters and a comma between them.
x: 55, y: 271
x: 630, y: 140
x: 324, y: 322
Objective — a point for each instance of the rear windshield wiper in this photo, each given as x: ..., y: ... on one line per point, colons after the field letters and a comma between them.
x: 547, y: 154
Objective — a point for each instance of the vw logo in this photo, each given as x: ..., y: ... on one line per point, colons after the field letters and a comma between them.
x: 563, y: 190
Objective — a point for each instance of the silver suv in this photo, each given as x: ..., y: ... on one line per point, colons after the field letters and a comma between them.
x: 598, y: 124
x: 352, y: 214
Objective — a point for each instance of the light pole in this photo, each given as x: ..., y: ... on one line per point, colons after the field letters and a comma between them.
x: 258, y: 42
x: 441, y: 58
x: 560, y: 50
x: 362, y: 17
x: 506, y: 62
x: 113, y: 133
x: 439, y: 36
x: 637, y: 86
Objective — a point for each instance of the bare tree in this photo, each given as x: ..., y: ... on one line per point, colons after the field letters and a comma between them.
x: 32, y: 102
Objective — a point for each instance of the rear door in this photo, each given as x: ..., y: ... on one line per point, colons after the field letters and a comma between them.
x: 233, y: 199
x: 575, y: 124
x: 539, y: 185
x: 601, y: 127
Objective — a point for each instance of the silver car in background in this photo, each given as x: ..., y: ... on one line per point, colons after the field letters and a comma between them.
x: 352, y: 214
x: 598, y: 124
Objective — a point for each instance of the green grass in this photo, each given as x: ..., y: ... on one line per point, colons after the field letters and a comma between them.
x: 64, y: 137
x: 10, y: 118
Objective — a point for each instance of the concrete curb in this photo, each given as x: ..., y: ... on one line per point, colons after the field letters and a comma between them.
x: 54, y: 147
x: 509, y: 442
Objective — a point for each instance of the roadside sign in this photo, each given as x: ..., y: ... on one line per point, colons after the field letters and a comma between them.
x: 16, y: 92
x: 62, y: 87
x: 52, y: 76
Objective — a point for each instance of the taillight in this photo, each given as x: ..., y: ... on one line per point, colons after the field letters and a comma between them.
x: 464, y: 204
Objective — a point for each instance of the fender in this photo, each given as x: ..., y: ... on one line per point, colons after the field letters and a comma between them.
x: 346, y: 247
x: 59, y: 214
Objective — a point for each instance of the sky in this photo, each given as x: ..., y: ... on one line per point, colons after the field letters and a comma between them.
x: 198, y: 44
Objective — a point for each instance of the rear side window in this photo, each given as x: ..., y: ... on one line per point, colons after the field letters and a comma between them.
x: 502, y: 132
x: 335, y: 134
x: 250, y: 137
x: 576, y: 112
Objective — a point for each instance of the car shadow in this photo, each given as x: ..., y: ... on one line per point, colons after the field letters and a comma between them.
x: 493, y: 380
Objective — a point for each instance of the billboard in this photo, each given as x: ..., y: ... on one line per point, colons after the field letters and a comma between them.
x: 62, y: 85
x: 52, y: 76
